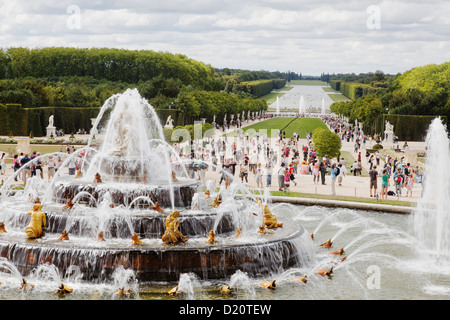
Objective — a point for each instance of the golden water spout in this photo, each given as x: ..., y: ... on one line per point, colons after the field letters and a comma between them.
x: 63, y: 288
x: 135, y: 239
x: 211, y: 237
x: 64, y: 236
x: 269, y: 284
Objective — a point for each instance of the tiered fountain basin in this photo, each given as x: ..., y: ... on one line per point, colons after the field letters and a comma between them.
x: 257, y: 254
x: 123, y: 193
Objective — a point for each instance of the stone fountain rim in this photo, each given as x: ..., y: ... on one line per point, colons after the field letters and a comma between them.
x: 297, y: 233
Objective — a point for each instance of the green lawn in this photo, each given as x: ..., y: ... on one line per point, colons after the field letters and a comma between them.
x: 287, y: 88
x: 338, y: 97
x: 271, y: 97
x: 349, y: 160
x: 301, y: 125
x: 329, y: 89
x: 308, y: 83
x: 11, y: 149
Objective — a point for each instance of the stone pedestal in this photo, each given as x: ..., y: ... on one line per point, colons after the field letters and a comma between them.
x: 50, y: 131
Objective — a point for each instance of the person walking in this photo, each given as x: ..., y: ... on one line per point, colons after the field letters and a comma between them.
x: 323, y: 171
x: 334, y: 173
x: 398, y: 178
x: 16, y: 165
x: 281, y: 172
x: 315, y: 172
x: 244, y: 171
x: 3, y: 163
x: 292, y: 174
x: 373, y: 174
x: 269, y: 172
x: 259, y: 183
x: 384, y: 184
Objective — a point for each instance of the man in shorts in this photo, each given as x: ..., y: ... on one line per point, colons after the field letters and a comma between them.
x: 373, y: 174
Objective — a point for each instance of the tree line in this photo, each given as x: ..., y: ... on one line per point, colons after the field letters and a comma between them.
x: 421, y: 91
x: 85, y: 78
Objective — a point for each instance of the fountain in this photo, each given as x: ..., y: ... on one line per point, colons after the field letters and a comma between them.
x: 132, y: 208
x: 278, y: 106
x: 301, y: 107
x: 323, y: 106
x: 431, y: 217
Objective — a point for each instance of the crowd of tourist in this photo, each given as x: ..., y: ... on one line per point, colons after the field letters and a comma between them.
x: 271, y: 162
x: 33, y: 165
x: 279, y: 162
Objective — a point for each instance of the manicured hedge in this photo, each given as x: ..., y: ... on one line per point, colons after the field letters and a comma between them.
x: 353, y: 90
x: 20, y: 121
x: 407, y: 127
x: 259, y: 88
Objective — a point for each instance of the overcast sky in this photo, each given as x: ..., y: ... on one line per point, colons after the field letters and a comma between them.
x: 307, y: 36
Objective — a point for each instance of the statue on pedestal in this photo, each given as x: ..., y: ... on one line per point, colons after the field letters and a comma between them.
x: 172, y: 235
x: 169, y: 123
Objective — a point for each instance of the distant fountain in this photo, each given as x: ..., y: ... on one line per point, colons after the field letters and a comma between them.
x: 301, y: 108
x: 431, y: 217
x: 278, y: 105
x: 323, y: 106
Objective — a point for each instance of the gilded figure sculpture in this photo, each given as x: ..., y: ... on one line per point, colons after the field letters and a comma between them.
x: 211, y: 237
x: 172, y: 235
x: 217, y: 201
x: 64, y: 288
x: 270, y: 220
x: 38, y: 220
x: 64, y: 236
x: 98, y: 178
x: 135, y: 239
x: 268, y: 284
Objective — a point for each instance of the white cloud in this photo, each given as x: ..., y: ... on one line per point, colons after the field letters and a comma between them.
x: 299, y: 35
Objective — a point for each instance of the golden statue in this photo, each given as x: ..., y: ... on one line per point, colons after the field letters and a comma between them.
x: 135, y: 239
x: 175, y: 292
x: 239, y: 232
x: 338, y: 252
x: 156, y: 207
x: 100, y: 237
x: 97, y: 178
x: 327, y: 244
x: 172, y: 235
x: 174, y: 177
x: 217, y: 201
x: 79, y: 174
x: 226, y: 290
x: 122, y: 292
x: 25, y: 286
x: 69, y: 204
x: 2, y: 228
x: 64, y: 288
x: 64, y: 236
x: 211, y: 237
x: 268, y: 284
x: 262, y: 229
x: 207, y: 194
x: 300, y: 279
x: 38, y: 219
x: 324, y: 272
x: 270, y: 220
